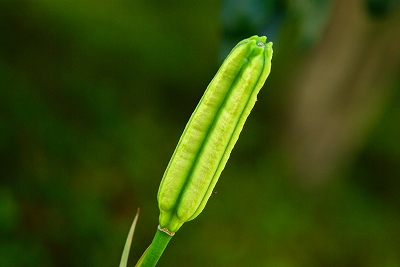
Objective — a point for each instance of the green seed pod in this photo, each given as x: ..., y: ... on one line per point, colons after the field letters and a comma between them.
x: 211, y: 133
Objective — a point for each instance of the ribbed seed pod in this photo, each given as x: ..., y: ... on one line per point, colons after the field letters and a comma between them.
x: 211, y: 133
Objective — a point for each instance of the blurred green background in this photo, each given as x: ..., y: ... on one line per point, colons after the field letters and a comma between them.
x: 94, y: 96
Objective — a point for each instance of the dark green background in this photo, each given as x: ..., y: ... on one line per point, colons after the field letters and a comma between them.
x: 95, y: 94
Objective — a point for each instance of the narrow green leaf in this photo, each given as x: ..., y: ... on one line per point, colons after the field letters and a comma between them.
x: 125, y: 253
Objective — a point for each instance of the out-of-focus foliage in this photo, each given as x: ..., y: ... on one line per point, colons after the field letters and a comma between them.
x: 94, y: 97
x: 379, y: 8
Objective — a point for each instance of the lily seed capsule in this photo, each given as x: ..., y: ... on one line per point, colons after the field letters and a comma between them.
x: 211, y: 133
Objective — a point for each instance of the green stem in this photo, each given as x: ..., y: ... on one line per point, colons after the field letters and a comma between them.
x: 153, y: 253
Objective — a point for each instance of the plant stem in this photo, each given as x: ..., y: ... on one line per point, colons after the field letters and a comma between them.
x: 153, y: 253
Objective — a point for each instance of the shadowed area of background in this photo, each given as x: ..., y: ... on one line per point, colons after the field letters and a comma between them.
x: 94, y: 97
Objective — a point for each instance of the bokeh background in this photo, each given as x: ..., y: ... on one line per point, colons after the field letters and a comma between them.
x: 94, y: 96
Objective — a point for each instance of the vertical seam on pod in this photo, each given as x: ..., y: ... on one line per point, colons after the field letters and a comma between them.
x: 191, y: 117
x: 237, y: 123
x: 207, y: 137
